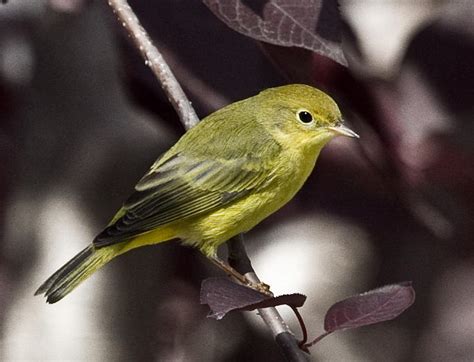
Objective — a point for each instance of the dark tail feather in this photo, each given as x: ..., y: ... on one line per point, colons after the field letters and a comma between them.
x: 61, y: 283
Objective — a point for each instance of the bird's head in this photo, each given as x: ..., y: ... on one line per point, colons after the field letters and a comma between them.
x: 300, y: 114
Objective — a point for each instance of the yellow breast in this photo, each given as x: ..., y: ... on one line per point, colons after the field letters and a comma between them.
x: 209, y: 231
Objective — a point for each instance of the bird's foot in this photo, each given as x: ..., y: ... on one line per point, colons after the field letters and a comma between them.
x: 259, y: 287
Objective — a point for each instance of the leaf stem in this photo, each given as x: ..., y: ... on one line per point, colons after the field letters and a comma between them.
x: 316, y: 340
x: 302, y: 326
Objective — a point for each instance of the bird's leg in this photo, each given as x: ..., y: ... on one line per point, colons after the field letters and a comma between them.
x: 260, y: 287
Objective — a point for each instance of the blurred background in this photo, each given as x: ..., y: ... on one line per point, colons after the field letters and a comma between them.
x: 82, y: 118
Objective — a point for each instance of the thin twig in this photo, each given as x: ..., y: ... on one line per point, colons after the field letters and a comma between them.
x: 282, y: 334
x: 153, y: 58
x: 156, y: 62
x: 239, y: 259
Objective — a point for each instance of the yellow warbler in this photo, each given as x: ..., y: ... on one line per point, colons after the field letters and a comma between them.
x: 236, y: 167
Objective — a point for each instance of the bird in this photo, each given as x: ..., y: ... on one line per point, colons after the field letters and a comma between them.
x: 225, y: 175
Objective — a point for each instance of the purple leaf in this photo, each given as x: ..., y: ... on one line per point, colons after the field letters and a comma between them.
x: 309, y: 24
x: 375, y: 306
x: 223, y: 296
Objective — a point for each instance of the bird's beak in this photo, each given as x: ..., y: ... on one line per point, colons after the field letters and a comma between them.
x: 344, y: 131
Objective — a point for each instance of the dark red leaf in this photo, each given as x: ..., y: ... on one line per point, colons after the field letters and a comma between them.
x: 375, y: 306
x: 309, y: 24
x: 223, y: 296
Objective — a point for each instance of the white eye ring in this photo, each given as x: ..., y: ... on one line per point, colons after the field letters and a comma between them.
x: 304, y: 116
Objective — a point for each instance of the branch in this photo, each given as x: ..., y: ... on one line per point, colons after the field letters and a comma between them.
x: 282, y: 334
x: 156, y: 62
x: 237, y: 254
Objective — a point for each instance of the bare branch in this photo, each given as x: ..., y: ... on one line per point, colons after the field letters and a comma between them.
x: 282, y: 334
x: 156, y: 62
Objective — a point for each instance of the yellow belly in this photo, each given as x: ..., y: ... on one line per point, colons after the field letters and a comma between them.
x: 155, y: 236
x: 209, y: 231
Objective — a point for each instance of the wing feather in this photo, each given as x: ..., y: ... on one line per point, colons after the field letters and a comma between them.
x: 182, y: 187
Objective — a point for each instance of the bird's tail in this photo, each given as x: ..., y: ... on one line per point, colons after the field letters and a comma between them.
x: 76, y: 270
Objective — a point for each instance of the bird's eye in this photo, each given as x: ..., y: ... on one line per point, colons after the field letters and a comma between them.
x: 305, y: 117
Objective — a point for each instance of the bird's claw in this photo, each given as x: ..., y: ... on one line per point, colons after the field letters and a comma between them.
x: 260, y: 287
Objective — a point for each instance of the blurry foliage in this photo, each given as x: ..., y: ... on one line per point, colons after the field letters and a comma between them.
x: 309, y: 24
x: 71, y: 126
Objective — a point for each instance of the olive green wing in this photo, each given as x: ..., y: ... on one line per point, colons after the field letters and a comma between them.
x: 182, y: 187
